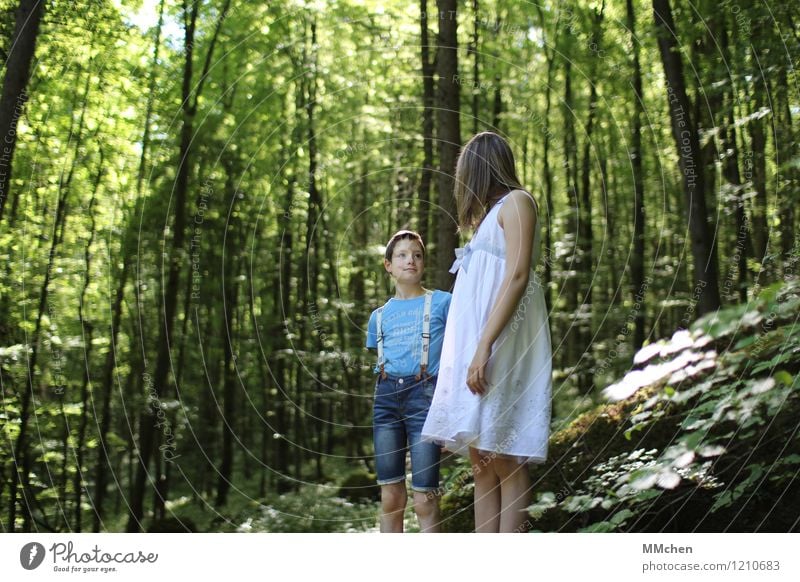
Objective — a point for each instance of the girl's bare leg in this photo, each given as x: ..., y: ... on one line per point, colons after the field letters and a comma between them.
x: 515, y: 493
x: 487, y: 493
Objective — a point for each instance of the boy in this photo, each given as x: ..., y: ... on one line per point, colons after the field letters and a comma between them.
x: 407, y: 333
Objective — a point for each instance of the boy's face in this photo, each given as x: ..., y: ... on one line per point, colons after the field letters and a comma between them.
x: 407, y: 262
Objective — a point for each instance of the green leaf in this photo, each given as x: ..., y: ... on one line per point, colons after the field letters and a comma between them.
x: 545, y: 501
x: 621, y: 517
x: 599, y: 527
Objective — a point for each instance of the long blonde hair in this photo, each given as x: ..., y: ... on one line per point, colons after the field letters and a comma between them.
x: 485, y: 172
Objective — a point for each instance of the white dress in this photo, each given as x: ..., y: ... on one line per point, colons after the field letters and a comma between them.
x: 513, y: 416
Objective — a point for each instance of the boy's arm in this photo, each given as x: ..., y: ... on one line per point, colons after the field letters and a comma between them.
x: 372, y: 335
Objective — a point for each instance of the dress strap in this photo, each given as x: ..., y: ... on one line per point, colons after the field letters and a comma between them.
x: 501, y: 200
x: 535, y: 203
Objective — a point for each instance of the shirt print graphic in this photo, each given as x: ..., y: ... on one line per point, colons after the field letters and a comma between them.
x: 404, y: 327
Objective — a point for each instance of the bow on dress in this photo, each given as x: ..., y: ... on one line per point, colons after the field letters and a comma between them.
x: 462, y: 258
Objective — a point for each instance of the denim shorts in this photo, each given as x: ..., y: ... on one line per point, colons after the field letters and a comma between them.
x: 401, y: 406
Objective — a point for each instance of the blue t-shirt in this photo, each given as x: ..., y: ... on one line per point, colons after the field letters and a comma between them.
x: 402, y: 333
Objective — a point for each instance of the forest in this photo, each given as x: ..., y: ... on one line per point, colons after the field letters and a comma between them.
x: 195, y: 196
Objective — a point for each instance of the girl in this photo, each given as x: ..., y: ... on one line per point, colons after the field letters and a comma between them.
x: 493, y: 394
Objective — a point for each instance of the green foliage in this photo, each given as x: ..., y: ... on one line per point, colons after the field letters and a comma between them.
x: 312, y: 511
x: 315, y: 508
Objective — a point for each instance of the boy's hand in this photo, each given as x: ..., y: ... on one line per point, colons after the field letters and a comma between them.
x: 476, y: 374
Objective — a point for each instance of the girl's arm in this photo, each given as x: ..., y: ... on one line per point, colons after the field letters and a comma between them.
x: 517, y: 217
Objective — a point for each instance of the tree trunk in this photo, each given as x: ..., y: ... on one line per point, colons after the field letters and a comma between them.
x: 449, y: 136
x: 585, y: 261
x: 731, y: 175
x: 209, y: 411
x: 232, y: 242
x: 88, y: 329
x: 787, y: 179
x: 704, y: 55
x: 758, y: 142
x: 548, y: 175
x: 231, y: 296
x: 428, y: 95
x: 497, y: 108
x: 573, y: 352
x: 730, y: 171
x: 474, y: 50
x: 14, y: 96
x: 283, y: 299
x: 638, y: 289
x: 705, y: 295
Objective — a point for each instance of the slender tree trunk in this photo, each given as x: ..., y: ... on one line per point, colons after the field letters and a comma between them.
x: 758, y: 142
x: 361, y: 239
x: 283, y: 299
x: 230, y: 290
x: 684, y: 131
x: 638, y: 289
x: 300, y: 438
x: 307, y: 288
x: 281, y: 403
x: 88, y: 329
x: 610, y: 218
x: 314, y: 253
x: 571, y: 289
x: 787, y: 150
x: 730, y: 170
x: 266, y: 438
x: 449, y: 136
x: 497, y: 107
x: 209, y: 412
x: 474, y: 50
x: 428, y: 95
x: 12, y: 101
x: 731, y: 174
x: 708, y: 103
x: 550, y: 55
x: 585, y: 261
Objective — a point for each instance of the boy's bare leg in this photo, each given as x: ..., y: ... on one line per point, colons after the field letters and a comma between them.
x: 426, y: 506
x: 393, y: 505
x: 487, y: 493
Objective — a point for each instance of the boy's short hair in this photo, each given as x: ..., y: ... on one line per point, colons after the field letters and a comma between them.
x: 400, y: 235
